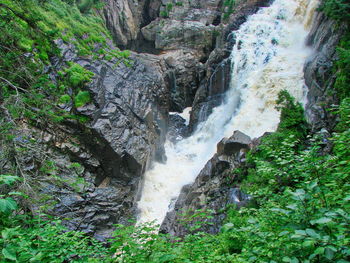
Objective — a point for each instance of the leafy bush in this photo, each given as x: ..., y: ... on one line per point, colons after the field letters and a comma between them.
x: 337, y: 9
x: 342, y: 68
x: 37, y: 240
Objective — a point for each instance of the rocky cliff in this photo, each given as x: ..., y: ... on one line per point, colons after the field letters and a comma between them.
x: 319, y: 77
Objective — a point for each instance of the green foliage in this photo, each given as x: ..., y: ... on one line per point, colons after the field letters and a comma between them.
x: 86, y: 5
x: 142, y: 244
x: 292, y: 115
x: 169, y: 7
x: 35, y: 240
x: 29, y: 29
x: 228, y: 8
x: 342, y: 67
x: 337, y: 9
x: 164, y: 14
x: 77, y: 75
x: 81, y: 98
x: 303, y: 205
x: 27, y: 239
x: 7, y: 204
x: 303, y: 198
x: 302, y: 191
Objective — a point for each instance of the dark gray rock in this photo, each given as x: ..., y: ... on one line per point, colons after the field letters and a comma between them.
x: 210, y: 94
x: 127, y: 128
x: 184, y: 72
x: 177, y: 128
x: 319, y: 77
x: 129, y: 113
x: 213, y: 190
x: 229, y: 146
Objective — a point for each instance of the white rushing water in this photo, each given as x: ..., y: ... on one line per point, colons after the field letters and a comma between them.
x: 268, y: 57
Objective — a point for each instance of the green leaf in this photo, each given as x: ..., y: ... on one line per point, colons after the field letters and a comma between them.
x: 329, y: 253
x: 18, y: 194
x: 286, y: 259
x: 319, y: 251
x: 283, y: 211
x: 81, y: 98
x: 167, y: 258
x: 64, y: 99
x: 312, y: 233
x: 9, y: 232
x: 308, y: 243
x: 312, y: 185
x: 322, y: 220
x: 283, y: 233
x: 7, y: 205
x: 227, y: 227
x: 37, y: 258
x: 8, y: 179
x: 9, y: 253
x: 299, y: 194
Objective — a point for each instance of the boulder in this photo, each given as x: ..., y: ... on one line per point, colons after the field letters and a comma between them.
x: 177, y: 128
x: 230, y: 146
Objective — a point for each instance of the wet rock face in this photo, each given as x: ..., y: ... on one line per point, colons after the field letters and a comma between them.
x: 177, y: 128
x: 232, y: 145
x: 129, y: 115
x: 212, y: 190
x: 184, y: 72
x: 129, y: 112
x: 211, y: 93
x: 324, y: 37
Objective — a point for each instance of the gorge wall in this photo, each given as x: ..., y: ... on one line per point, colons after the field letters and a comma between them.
x: 180, y: 58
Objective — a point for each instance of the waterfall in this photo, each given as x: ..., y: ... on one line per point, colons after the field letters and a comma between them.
x: 268, y: 57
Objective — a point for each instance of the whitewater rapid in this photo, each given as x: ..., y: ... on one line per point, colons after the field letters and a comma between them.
x: 268, y: 57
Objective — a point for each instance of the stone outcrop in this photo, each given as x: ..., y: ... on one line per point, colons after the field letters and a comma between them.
x: 319, y: 77
x: 129, y: 110
x: 212, y: 190
x: 124, y: 19
x: 127, y: 127
x: 173, y: 34
x: 184, y: 72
